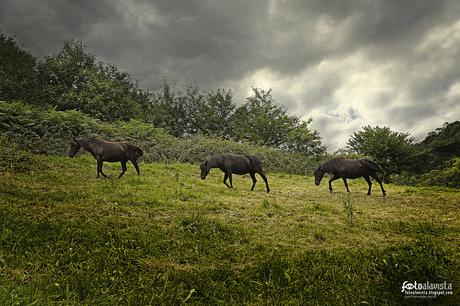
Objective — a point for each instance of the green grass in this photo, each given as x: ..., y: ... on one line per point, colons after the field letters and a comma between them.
x: 168, y: 237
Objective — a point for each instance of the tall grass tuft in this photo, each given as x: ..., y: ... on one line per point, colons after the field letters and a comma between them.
x: 348, y: 207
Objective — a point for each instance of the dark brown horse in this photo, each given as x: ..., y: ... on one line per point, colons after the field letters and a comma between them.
x: 235, y: 164
x: 349, y: 168
x: 108, y: 151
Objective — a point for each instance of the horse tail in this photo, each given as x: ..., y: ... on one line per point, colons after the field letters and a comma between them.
x: 255, y: 161
x: 136, y: 151
x: 373, y: 165
x: 139, y: 152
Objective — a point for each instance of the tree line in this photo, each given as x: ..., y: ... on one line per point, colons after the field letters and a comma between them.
x: 74, y: 79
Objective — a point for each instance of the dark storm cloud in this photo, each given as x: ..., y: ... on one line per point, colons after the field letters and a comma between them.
x: 355, y: 62
x: 43, y: 25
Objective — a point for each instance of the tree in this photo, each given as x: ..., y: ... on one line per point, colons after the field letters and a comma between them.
x: 215, y: 114
x: 19, y: 78
x: 177, y: 111
x: 193, y: 102
x: 302, y: 139
x: 77, y: 80
x: 261, y: 121
x: 392, y: 150
x: 190, y: 112
x: 444, y: 142
x: 438, y: 148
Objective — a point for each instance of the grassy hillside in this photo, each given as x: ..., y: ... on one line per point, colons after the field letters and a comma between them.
x: 168, y: 238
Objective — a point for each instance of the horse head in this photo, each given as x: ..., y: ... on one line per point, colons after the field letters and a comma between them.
x: 204, y: 167
x: 319, y: 173
x: 74, y: 147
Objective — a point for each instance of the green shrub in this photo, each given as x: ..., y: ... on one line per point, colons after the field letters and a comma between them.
x: 405, y: 178
x: 449, y: 176
x: 13, y: 159
x: 47, y: 131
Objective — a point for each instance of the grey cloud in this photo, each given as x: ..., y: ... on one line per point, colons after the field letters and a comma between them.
x: 43, y: 25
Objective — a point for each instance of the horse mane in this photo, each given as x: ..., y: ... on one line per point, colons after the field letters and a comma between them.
x: 214, y: 161
x: 87, y: 141
x: 332, y: 164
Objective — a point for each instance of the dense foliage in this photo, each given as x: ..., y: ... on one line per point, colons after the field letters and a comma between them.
x: 19, y: 79
x: 439, y: 146
x: 77, y: 80
x: 50, y: 131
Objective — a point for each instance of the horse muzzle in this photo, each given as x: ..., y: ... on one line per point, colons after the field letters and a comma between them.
x: 203, y: 178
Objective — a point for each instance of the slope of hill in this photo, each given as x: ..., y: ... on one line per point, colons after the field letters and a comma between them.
x: 168, y: 237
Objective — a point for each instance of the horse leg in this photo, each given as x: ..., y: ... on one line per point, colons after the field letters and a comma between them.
x: 254, y: 180
x: 331, y: 180
x: 123, y: 168
x: 374, y: 175
x: 99, y: 169
x: 225, y: 179
x: 346, y: 184
x: 134, y: 162
x: 262, y: 175
x: 369, y: 182
x: 230, y: 179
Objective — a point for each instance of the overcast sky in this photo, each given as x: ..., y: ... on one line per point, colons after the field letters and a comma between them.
x: 345, y: 63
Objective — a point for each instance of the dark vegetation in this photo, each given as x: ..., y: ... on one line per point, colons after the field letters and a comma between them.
x: 49, y: 132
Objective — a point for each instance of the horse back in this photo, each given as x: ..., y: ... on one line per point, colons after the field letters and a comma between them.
x: 347, y: 168
x: 113, y: 151
x: 237, y: 164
